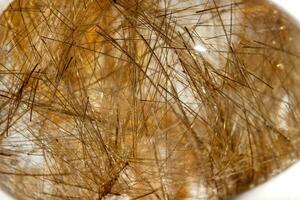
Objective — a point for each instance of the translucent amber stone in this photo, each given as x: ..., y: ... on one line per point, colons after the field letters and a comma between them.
x: 146, y: 99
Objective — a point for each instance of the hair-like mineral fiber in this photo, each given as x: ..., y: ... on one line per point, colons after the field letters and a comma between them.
x: 146, y: 99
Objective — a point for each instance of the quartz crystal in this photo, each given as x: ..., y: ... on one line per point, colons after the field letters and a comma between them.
x: 146, y: 99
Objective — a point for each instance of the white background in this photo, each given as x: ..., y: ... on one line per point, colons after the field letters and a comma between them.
x: 286, y: 186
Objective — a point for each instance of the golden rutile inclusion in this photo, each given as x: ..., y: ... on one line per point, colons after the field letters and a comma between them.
x: 146, y: 99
